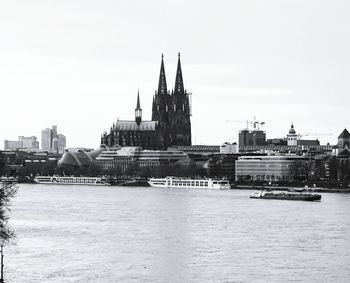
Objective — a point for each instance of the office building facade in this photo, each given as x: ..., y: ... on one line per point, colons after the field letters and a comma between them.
x: 269, y: 168
x: 51, y: 140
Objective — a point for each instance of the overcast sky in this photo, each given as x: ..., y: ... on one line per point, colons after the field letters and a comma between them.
x: 79, y: 64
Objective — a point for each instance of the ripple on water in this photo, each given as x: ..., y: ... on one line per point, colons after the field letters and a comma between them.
x: 112, y: 234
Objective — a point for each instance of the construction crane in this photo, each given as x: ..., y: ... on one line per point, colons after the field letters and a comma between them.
x: 256, y: 124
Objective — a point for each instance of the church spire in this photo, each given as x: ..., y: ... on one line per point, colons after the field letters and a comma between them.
x: 162, y: 88
x: 179, y: 84
x: 138, y: 99
x: 138, y: 110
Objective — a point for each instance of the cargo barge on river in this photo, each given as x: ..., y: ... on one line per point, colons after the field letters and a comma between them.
x: 286, y: 196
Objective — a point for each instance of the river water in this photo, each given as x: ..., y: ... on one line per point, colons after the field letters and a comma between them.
x: 119, y: 234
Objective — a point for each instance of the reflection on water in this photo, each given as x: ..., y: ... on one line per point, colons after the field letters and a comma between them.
x: 114, y: 234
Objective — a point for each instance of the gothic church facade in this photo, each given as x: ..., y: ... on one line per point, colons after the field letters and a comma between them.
x: 170, y: 124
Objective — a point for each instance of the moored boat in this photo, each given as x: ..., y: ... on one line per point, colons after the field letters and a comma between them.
x: 286, y: 196
x: 94, y: 181
x: 186, y: 183
x: 135, y: 183
x: 8, y: 180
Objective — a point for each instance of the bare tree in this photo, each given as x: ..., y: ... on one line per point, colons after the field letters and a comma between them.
x: 7, y: 192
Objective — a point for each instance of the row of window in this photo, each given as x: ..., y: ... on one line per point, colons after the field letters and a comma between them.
x: 190, y: 183
x: 80, y: 181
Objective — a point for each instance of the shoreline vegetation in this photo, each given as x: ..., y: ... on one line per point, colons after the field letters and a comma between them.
x: 7, y: 191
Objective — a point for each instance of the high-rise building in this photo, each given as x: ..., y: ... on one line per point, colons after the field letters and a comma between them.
x: 51, y: 140
x: 54, y: 145
x: 61, y: 142
x: 54, y: 131
x: 255, y: 137
x: 46, y: 139
x: 170, y: 124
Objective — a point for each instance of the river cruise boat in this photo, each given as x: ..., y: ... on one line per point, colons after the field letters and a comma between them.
x: 286, y: 196
x: 185, y: 183
x: 56, y: 180
x: 8, y: 180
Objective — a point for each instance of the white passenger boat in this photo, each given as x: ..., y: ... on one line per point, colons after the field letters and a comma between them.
x: 94, y: 181
x: 177, y: 182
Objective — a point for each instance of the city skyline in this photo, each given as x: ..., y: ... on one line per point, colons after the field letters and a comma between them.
x: 80, y: 66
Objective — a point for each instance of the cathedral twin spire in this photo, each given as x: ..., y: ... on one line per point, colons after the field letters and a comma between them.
x: 162, y: 85
x: 164, y: 102
x: 179, y: 84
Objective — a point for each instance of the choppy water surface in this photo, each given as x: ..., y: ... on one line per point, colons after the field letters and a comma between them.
x: 114, y: 234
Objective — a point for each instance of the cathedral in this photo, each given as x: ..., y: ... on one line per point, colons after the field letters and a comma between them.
x: 170, y: 124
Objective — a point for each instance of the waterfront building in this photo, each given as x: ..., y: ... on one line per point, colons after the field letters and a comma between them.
x: 269, y: 168
x: 122, y: 158
x: 170, y: 124
x: 222, y: 165
x: 25, y: 163
x: 79, y: 158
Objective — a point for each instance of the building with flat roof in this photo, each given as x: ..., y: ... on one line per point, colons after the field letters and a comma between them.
x: 255, y: 137
x: 12, y: 145
x: 61, y: 142
x: 23, y: 143
x: 123, y: 157
x: 29, y: 142
x: 229, y: 148
x: 46, y: 138
x: 51, y: 140
x: 269, y: 168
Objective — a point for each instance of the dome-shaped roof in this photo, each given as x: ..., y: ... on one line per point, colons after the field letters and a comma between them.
x: 292, y: 131
x: 79, y: 158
